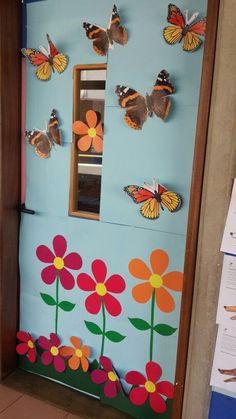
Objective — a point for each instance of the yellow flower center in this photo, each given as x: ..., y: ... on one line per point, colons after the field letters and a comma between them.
x: 101, y: 289
x: 112, y: 376
x: 58, y: 263
x: 156, y: 281
x: 92, y: 132
x: 30, y: 344
x: 54, y: 351
x: 78, y: 353
x: 150, y: 386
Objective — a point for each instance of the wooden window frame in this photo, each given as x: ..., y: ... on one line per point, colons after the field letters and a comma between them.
x: 73, y: 165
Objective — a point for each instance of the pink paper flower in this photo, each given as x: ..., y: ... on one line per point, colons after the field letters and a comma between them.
x: 150, y: 388
x: 52, y: 352
x: 108, y: 376
x: 27, y: 347
x: 102, y: 289
x: 58, y: 263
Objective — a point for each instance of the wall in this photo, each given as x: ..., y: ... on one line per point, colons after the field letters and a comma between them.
x: 220, y: 169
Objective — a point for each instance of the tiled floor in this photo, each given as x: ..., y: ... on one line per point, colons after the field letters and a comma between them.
x: 26, y: 396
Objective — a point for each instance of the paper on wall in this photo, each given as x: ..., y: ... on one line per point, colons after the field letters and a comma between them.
x: 228, y: 244
x: 226, y: 312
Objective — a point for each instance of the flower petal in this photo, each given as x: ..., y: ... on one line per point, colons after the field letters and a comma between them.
x: 164, y: 300
x: 138, y: 395
x: 44, y: 254
x: 173, y: 280
x: 85, y: 282
x: 55, y: 341
x: 85, y: 351
x: 159, y: 261
x: 93, y: 303
x: 74, y: 362
x: 59, y: 363
x: 73, y: 261
x: 99, y: 129
x: 91, y: 118
x: 157, y: 403
x: 22, y: 348
x: 166, y: 388
x: 97, y: 144
x: 84, y: 364
x: 32, y: 355
x: 46, y: 358
x: 112, y: 305
x: 84, y: 143
x: 67, y: 351
x: 49, y: 274
x: 76, y: 342
x: 59, y: 246
x: 24, y: 336
x: 153, y: 371
x: 99, y: 376
x: 99, y: 270
x: 66, y: 279
x: 106, y: 363
x: 110, y: 389
x: 142, y: 292
x: 44, y: 342
x: 115, y: 284
x: 79, y: 128
x: 139, y: 269
x: 135, y: 378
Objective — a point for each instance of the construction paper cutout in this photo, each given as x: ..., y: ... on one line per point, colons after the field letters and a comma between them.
x: 150, y: 387
x: 185, y: 28
x: 78, y: 354
x: 91, y: 132
x: 155, y: 197
x: 138, y: 107
x: 51, y: 354
x: 57, y: 271
x: 101, y: 298
x: 109, y: 376
x: 47, y: 60
x: 103, y: 39
x: 43, y: 141
x: 27, y: 346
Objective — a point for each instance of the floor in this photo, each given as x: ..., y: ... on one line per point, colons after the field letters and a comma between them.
x: 26, y: 396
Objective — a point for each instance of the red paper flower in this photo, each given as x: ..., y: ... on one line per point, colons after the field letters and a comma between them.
x: 52, y: 352
x: 149, y: 388
x: 27, y: 347
x: 108, y: 376
x: 102, y: 289
x: 58, y: 263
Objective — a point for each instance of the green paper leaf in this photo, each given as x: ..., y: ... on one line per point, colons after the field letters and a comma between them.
x: 140, y: 324
x: 93, y: 328
x: 164, y: 329
x: 48, y: 299
x: 66, y: 305
x: 114, y: 336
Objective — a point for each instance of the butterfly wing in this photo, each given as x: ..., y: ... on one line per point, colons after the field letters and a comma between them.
x: 175, y: 16
x: 40, y: 141
x: 173, y: 34
x: 150, y: 208
x: 135, y: 105
x: 59, y: 60
x: 160, y: 99
x: 171, y: 200
x: 99, y: 37
x: 191, y: 39
x: 53, y: 129
x: 116, y: 32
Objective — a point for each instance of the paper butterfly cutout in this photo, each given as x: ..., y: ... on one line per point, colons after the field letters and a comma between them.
x: 154, y: 196
x: 44, y: 140
x: 139, y: 107
x: 103, y: 39
x: 186, y: 29
x: 47, y: 60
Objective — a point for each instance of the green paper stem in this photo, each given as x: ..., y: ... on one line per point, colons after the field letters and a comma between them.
x: 57, y: 301
x: 103, y: 328
x: 152, y: 324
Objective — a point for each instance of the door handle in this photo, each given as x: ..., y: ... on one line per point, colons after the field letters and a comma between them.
x: 26, y: 210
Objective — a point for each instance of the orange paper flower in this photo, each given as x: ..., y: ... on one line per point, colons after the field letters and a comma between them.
x: 93, y: 131
x: 155, y: 281
x: 78, y: 355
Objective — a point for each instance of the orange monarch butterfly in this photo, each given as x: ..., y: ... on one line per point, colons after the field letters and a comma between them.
x: 154, y: 196
x: 47, y: 60
x: 184, y: 28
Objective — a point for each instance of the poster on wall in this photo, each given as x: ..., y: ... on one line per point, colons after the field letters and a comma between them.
x: 226, y: 313
x: 228, y: 244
